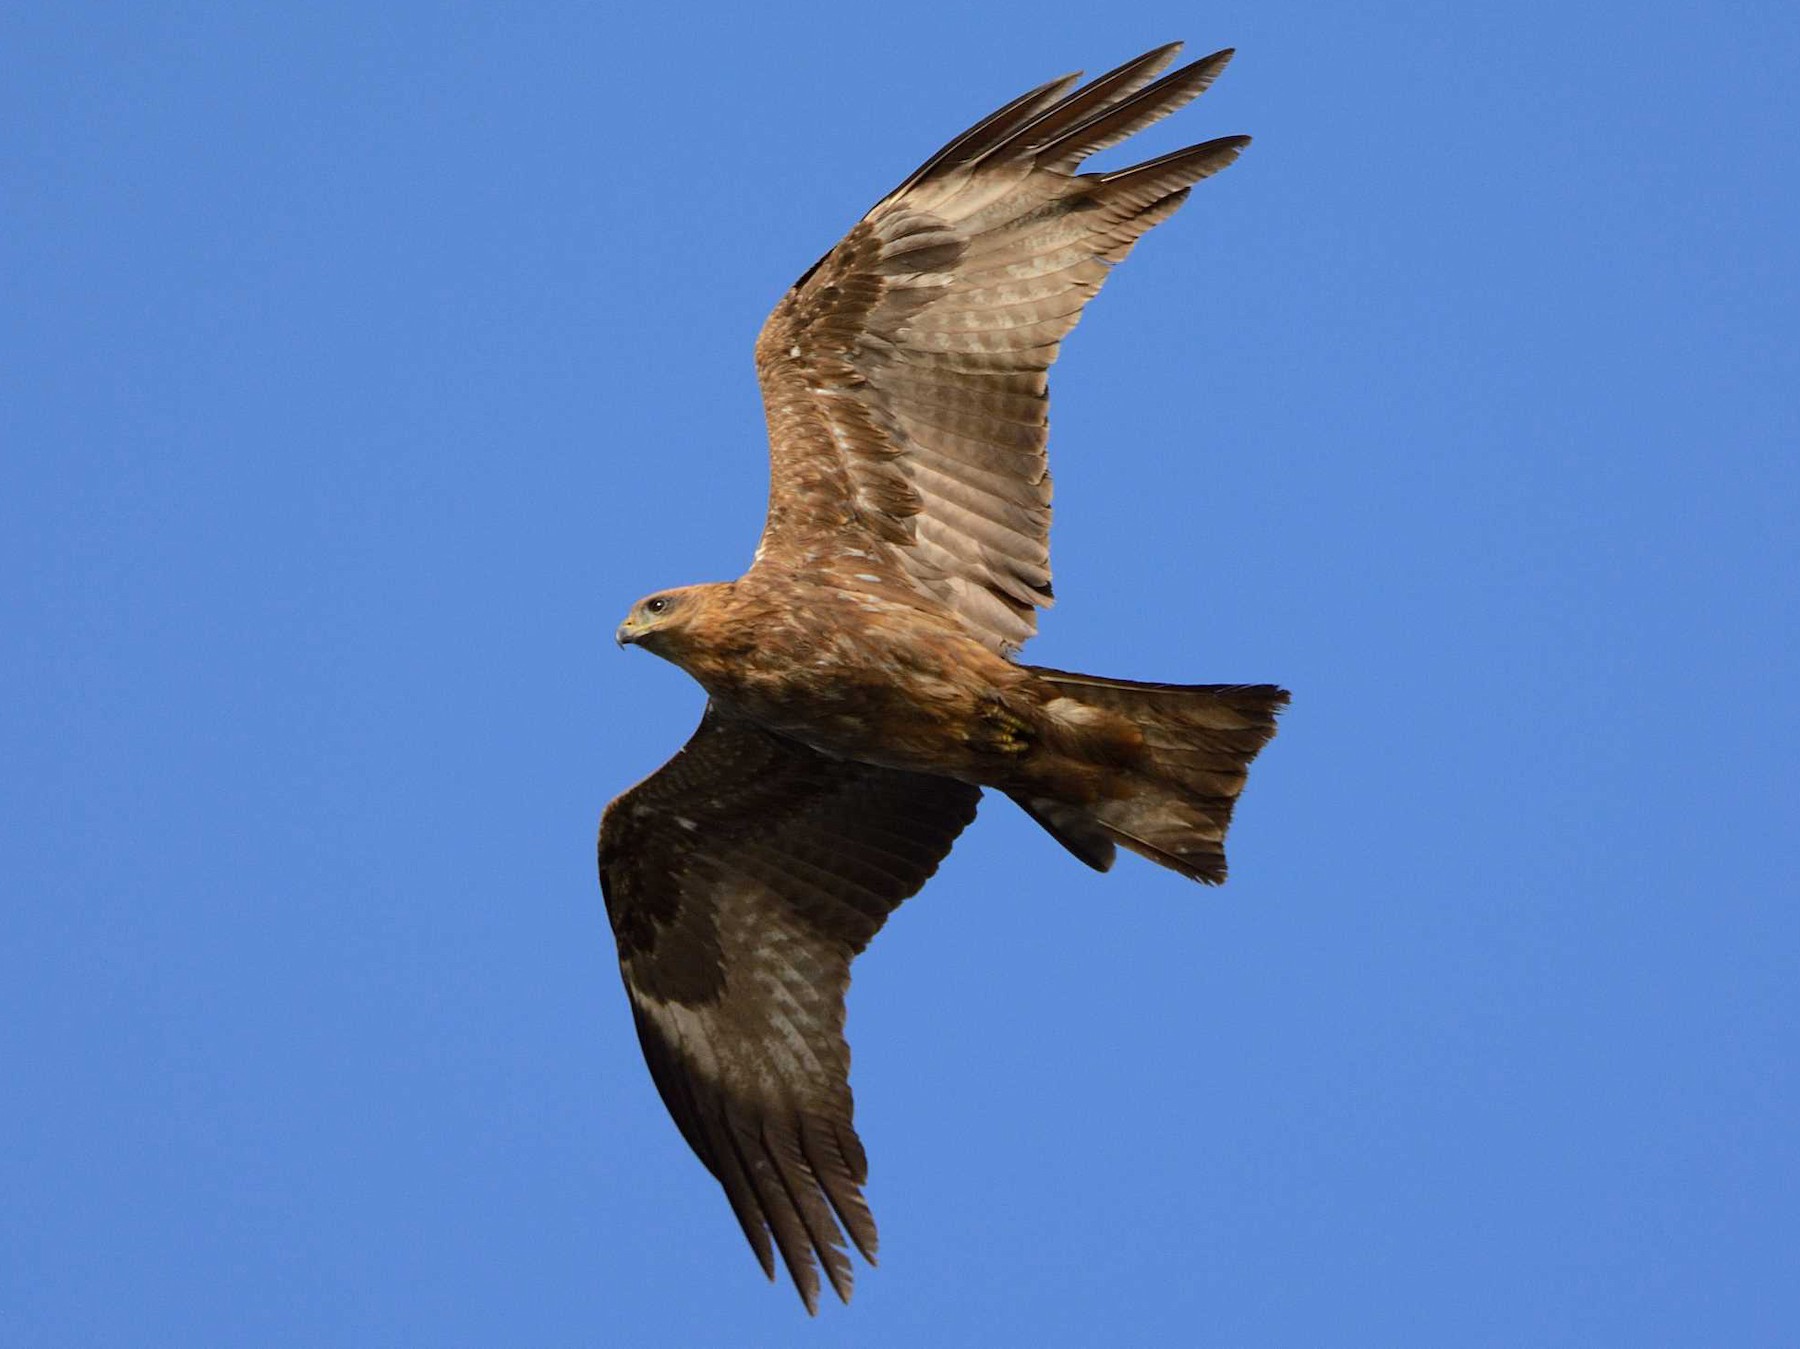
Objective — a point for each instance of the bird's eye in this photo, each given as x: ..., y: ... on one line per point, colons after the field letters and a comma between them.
x: 656, y: 606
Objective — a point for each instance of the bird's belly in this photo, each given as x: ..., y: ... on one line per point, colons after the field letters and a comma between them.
x: 859, y: 720
x: 904, y: 709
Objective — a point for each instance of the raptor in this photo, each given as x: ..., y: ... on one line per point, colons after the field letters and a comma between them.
x: 862, y: 677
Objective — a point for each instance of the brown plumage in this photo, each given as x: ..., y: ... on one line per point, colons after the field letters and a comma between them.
x: 861, y: 676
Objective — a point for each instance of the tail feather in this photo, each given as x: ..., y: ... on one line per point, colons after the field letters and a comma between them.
x: 1072, y: 826
x: 1173, y: 805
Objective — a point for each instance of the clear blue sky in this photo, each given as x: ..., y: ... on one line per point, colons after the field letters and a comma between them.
x: 362, y: 364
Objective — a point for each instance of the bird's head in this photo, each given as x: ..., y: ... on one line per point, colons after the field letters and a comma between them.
x: 658, y: 621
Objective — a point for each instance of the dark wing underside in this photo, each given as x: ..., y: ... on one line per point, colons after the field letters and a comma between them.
x: 741, y: 879
x: 905, y: 376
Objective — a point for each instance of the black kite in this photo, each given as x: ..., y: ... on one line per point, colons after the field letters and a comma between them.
x: 860, y: 675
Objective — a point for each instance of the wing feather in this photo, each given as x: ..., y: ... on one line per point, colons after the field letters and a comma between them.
x: 905, y: 375
x: 1119, y: 121
x: 741, y: 879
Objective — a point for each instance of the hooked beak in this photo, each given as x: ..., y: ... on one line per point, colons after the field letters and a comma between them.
x: 626, y: 634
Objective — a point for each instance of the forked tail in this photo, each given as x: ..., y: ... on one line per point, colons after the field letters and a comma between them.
x: 1173, y: 803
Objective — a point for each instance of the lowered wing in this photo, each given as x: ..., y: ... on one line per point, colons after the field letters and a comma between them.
x: 741, y: 878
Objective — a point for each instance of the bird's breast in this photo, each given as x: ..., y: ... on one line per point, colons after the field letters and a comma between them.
x: 902, y: 695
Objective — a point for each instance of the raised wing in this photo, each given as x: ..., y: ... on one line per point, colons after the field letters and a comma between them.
x: 741, y: 878
x: 904, y: 376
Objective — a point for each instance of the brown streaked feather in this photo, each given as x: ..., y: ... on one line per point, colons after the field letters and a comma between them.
x: 741, y: 879
x: 905, y: 375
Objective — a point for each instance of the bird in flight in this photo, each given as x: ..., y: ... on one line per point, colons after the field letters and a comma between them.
x: 861, y: 681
